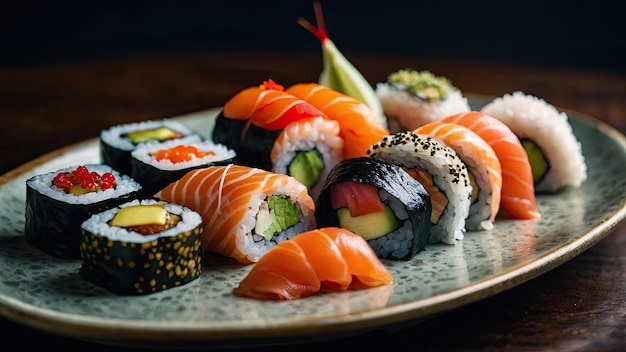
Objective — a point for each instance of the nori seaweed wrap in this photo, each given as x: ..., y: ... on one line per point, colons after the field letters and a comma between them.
x: 252, y: 144
x: 156, y: 165
x: 379, y: 201
x: 117, y: 142
x: 53, y: 215
x: 153, y: 246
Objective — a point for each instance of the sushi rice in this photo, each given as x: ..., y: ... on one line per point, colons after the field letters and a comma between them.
x: 449, y: 173
x: 532, y: 118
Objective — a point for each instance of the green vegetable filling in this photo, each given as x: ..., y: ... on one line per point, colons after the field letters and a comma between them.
x: 422, y: 84
x: 538, y: 162
x: 275, y: 216
x: 158, y: 134
x: 306, y: 167
x: 369, y: 226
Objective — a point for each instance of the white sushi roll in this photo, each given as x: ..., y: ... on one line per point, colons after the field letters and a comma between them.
x: 157, y: 164
x: 57, y: 202
x: 442, y: 173
x: 553, y: 150
x: 308, y: 149
x: 413, y: 98
x: 117, y: 142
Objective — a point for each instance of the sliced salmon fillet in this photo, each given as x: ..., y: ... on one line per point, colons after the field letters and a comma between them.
x: 330, y: 257
x: 518, y: 190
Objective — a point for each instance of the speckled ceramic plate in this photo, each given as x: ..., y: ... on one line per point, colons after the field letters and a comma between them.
x: 47, y: 293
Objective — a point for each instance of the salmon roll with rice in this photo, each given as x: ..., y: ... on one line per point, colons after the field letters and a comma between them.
x: 441, y: 171
x: 554, y: 152
x: 483, y: 168
x: 245, y: 211
x: 308, y: 149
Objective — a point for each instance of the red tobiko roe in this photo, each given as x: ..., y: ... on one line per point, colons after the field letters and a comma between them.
x: 91, y: 181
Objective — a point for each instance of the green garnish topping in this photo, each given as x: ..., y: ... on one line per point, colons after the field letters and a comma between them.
x: 422, y: 84
x: 537, y: 159
x: 275, y: 216
x: 306, y: 167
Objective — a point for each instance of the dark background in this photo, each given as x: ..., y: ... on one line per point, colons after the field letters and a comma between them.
x: 588, y: 34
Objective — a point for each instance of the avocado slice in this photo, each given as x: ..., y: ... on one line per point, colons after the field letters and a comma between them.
x: 369, y: 226
x: 136, y: 215
x: 538, y: 162
x: 307, y: 166
x: 275, y: 216
x: 156, y: 134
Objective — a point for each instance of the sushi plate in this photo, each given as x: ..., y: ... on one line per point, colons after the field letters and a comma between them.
x: 48, y: 294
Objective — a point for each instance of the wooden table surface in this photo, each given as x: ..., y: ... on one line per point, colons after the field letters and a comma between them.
x: 579, y: 306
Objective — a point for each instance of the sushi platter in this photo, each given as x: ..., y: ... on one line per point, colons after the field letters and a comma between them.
x: 46, y: 292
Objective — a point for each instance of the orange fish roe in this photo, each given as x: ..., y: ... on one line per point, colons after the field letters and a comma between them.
x: 180, y: 153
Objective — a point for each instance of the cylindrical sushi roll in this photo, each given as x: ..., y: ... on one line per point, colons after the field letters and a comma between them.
x: 412, y: 98
x: 517, y: 197
x: 253, y: 118
x: 554, y: 153
x: 117, y: 142
x: 360, y: 127
x: 483, y: 168
x: 379, y: 201
x: 246, y: 211
x: 308, y: 149
x: 141, y: 247
x: 442, y: 173
x: 58, y: 202
x: 155, y: 165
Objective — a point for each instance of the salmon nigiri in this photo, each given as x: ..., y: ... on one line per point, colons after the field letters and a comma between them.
x: 359, y: 126
x: 330, y: 257
x: 245, y: 211
x: 518, y: 190
x: 483, y: 166
x: 268, y: 106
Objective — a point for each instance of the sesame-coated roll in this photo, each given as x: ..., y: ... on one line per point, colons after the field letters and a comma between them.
x: 141, y: 247
x: 441, y: 171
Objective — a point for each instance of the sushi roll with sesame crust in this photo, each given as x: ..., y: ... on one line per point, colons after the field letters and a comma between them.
x: 141, y: 247
x: 442, y: 173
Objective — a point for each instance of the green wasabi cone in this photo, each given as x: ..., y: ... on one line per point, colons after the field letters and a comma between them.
x: 338, y: 72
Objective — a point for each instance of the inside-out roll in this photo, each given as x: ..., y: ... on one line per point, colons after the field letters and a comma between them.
x: 308, y: 149
x: 379, y: 201
x: 441, y: 171
x: 246, y: 211
x: 554, y: 152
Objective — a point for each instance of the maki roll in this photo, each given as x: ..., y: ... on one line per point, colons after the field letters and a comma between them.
x: 141, y: 247
x: 58, y: 202
x: 413, y: 98
x: 155, y: 165
x: 379, y: 201
x: 246, y: 211
x: 253, y: 118
x: 360, y: 127
x: 554, y: 153
x: 441, y: 171
x: 117, y: 142
x: 308, y: 149
x: 483, y: 168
